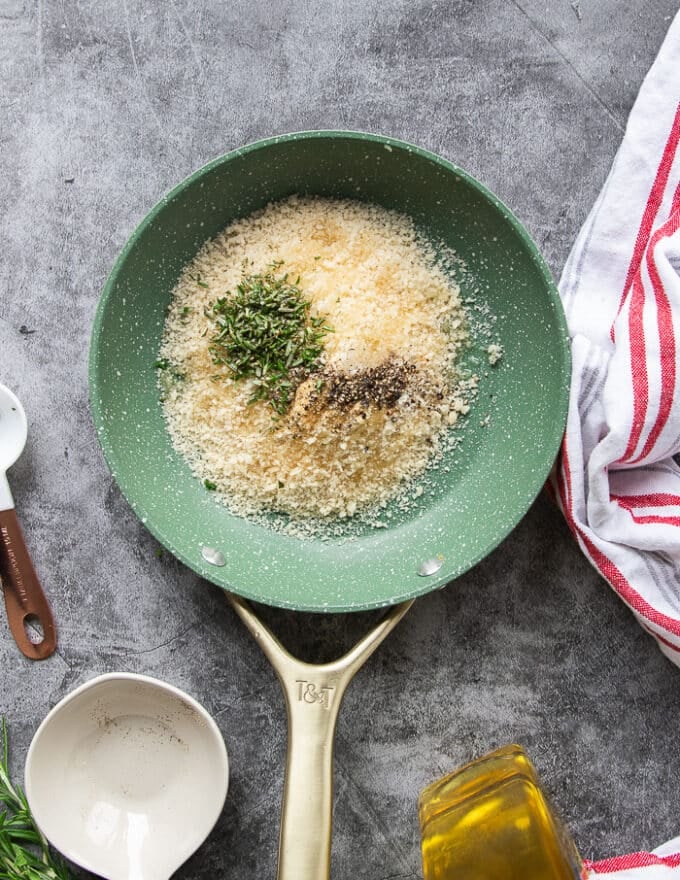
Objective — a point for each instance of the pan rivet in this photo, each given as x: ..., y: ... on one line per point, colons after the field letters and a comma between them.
x: 214, y: 557
x: 430, y: 566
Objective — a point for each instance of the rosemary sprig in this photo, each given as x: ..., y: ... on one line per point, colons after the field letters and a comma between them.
x: 266, y: 332
x: 24, y: 852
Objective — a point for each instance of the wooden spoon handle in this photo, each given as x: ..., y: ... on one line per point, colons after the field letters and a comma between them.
x: 24, y: 597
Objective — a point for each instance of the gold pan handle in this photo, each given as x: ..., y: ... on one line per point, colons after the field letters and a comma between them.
x: 313, y: 695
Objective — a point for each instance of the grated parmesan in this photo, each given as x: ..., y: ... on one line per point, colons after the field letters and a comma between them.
x: 495, y: 353
x: 345, y: 446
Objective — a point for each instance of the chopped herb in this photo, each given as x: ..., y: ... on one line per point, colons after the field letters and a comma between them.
x: 265, y: 332
x: 186, y: 311
x: 159, y: 552
x: 24, y: 852
x: 169, y: 377
x: 210, y: 485
x: 200, y: 282
x: 281, y: 485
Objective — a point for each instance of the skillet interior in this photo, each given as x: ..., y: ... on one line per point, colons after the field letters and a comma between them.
x: 480, y: 491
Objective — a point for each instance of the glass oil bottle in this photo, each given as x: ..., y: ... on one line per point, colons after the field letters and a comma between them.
x: 490, y: 820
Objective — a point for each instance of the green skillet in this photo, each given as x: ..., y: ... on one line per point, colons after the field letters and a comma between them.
x: 479, y: 492
x: 508, y: 442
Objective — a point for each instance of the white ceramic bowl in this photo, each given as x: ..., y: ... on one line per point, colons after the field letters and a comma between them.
x: 126, y: 776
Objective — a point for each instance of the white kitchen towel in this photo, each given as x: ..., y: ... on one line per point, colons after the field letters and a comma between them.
x: 617, y: 480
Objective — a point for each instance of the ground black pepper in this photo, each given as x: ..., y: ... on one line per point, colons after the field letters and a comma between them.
x: 381, y: 386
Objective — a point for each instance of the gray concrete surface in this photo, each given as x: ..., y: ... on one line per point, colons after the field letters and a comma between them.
x: 106, y: 105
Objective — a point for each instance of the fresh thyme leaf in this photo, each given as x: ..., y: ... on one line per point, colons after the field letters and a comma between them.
x: 265, y: 332
x: 210, y: 485
x: 24, y: 851
x: 169, y: 377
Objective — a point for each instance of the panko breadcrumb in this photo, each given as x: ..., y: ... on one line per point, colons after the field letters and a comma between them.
x: 385, y: 393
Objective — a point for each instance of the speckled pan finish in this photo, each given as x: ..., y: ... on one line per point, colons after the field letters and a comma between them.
x: 508, y: 442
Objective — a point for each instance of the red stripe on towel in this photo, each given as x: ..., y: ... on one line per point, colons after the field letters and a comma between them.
x: 654, y: 499
x: 652, y: 207
x: 654, y: 518
x: 646, y: 518
x: 632, y: 503
x: 605, y: 566
x: 632, y: 860
x: 666, y: 334
x: 638, y: 365
x: 661, y: 639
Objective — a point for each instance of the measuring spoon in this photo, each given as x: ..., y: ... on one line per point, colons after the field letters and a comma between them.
x: 24, y: 597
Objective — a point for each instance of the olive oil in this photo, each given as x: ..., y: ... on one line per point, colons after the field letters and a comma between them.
x: 490, y: 820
